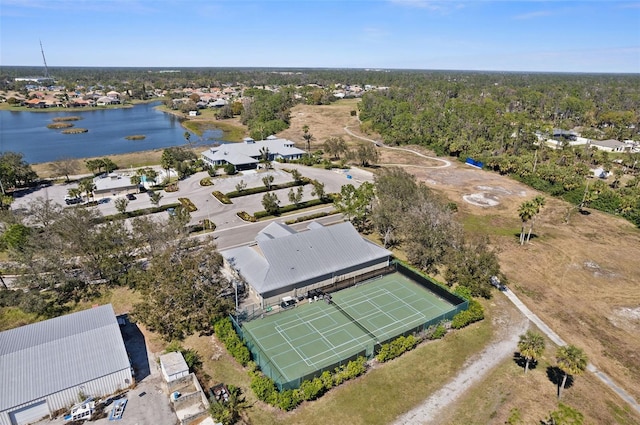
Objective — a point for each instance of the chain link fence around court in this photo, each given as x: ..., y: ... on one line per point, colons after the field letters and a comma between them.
x: 263, y: 358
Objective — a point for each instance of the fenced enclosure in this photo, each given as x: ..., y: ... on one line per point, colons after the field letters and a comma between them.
x: 300, y: 343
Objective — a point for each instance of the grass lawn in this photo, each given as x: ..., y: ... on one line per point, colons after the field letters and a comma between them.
x: 122, y: 300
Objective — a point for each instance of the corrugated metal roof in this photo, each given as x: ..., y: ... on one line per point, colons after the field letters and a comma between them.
x: 46, y: 357
x: 302, y: 256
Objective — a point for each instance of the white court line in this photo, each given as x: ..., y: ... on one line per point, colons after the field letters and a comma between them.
x: 416, y: 317
x: 304, y: 358
x: 332, y: 347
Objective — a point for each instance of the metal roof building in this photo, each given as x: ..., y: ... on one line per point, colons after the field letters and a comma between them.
x: 284, y: 262
x: 246, y: 155
x: 47, y: 366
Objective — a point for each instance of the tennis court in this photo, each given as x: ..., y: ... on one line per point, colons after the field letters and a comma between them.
x: 297, y: 344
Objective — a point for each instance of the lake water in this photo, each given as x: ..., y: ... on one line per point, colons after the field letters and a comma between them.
x: 27, y: 133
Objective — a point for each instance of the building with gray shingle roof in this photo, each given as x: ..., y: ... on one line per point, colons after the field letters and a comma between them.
x: 45, y: 366
x: 246, y: 155
x: 283, y: 262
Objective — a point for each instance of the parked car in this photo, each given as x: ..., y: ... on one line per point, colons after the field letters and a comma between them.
x: 72, y: 201
x: 131, y: 196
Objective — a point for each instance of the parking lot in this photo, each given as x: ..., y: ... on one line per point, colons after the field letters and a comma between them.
x: 208, y: 207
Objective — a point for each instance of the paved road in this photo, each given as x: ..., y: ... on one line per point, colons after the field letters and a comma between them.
x: 560, y: 342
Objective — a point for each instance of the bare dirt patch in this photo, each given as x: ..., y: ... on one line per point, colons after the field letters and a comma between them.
x: 324, y: 121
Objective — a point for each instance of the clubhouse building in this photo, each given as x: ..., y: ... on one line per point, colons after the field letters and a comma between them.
x: 247, y: 155
x: 283, y: 262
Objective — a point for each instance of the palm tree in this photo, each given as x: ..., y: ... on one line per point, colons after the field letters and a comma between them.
x: 538, y: 202
x: 531, y: 346
x: 87, y: 186
x: 308, y: 137
x: 526, y: 211
x: 572, y: 361
x: 265, y: 156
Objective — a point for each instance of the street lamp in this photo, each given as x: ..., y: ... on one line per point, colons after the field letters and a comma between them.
x: 208, y: 216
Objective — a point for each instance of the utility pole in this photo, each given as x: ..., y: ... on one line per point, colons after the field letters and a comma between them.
x: 46, y: 68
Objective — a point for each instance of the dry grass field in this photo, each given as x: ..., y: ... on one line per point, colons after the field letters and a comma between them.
x: 582, y: 278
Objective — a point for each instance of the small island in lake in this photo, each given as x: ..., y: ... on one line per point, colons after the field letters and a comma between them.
x: 74, y: 131
x: 136, y: 137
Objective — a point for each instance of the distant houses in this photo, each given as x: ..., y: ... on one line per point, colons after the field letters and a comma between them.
x: 561, y: 138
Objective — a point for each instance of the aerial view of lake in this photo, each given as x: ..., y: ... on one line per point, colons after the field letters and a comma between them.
x: 26, y: 132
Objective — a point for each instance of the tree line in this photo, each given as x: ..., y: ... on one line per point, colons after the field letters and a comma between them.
x: 502, y: 121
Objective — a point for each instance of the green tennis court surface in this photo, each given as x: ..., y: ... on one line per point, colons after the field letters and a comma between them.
x: 313, y: 337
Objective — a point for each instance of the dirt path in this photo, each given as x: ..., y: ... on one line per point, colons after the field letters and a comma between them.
x: 445, y: 162
x: 507, y: 334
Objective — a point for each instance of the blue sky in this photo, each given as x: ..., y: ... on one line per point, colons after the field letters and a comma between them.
x: 556, y: 36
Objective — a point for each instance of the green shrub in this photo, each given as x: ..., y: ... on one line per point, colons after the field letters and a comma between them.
x: 396, y: 348
x: 206, y: 182
x: 264, y: 388
x: 230, y: 169
x: 293, y: 207
x: 438, y: 332
x: 227, y: 334
x: 221, y: 197
x: 310, y: 390
x: 261, y: 189
x: 465, y: 318
x: 288, y: 400
x: 307, y: 217
x: 351, y: 370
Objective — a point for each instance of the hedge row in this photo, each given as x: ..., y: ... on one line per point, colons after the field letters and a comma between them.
x: 221, y: 197
x: 186, y: 202
x: 291, y: 207
x: 475, y: 313
x: 260, y: 189
x: 138, y: 213
x: 396, y: 348
x: 225, y: 332
x: 308, y: 217
x: 265, y: 389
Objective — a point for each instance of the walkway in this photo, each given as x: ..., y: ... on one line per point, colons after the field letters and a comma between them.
x: 446, y: 163
x: 560, y: 342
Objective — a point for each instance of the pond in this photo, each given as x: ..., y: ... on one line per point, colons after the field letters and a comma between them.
x: 26, y: 132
